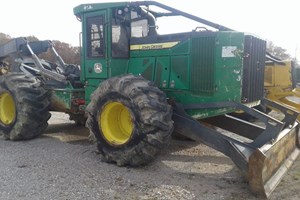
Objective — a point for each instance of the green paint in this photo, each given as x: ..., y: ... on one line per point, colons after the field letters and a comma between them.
x: 203, y: 67
x: 179, y: 77
x: 162, y: 74
x: 64, y: 100
x: 142, y: 66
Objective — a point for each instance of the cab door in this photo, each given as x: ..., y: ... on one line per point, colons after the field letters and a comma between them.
x: 95, y: 45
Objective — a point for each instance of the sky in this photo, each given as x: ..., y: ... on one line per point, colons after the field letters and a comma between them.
x: 273, y: 20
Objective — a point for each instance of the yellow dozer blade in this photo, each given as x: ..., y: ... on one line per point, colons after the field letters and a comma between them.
x: 269, y: 163
x: 262, y: 152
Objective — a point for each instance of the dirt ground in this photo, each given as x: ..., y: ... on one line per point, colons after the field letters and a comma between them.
x: 63, y: 164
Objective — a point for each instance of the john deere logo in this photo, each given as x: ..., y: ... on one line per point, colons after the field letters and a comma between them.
x: 98, y: 68
x: 164, y: 45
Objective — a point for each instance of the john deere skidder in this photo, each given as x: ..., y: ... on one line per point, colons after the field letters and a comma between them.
x: 137, y: 87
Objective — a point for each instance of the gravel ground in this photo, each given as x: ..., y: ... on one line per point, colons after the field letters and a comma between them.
x: 62, y: 164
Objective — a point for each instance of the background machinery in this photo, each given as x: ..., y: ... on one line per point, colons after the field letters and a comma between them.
x: 136, y: 87
x: 280, y: 83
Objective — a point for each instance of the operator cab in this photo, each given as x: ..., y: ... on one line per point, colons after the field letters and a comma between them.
x: 122, y: 25
x: 124, y: 37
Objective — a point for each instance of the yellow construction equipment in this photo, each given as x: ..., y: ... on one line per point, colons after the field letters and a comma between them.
x: 279, y: 81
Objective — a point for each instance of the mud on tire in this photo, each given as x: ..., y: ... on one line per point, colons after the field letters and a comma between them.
x: 23, y: 107
x: 150, y: 125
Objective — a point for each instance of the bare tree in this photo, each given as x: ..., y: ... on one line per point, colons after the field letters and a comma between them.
x: 69, y: 53
x: 277, y: 51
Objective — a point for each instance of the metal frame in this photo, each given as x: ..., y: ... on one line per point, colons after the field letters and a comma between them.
x: 21, y: 47
x: 175, y: 12
x: 239, y: 151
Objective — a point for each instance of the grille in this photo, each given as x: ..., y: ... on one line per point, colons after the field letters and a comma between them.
x: 203, y: 65
x: 253, y: 70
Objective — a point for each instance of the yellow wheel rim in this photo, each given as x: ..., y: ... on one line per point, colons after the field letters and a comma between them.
x: 116, y: 123
x: 7, y: 108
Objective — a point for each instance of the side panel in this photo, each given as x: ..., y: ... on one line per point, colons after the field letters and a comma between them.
x: 179, y: 78
x: 229, y: 66
x: 117, y: 67
x: 162, y: 73
x: 203, y: 67
x: 215, y: 72
x: 142, y: 66
x: 215, y: 69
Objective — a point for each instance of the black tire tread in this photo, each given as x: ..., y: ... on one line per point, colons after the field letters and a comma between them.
x: 151, y: 108
x: 32, y: 105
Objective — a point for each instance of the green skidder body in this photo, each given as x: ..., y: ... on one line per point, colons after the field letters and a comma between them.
x: 190, y: 67
x: 197, y: 68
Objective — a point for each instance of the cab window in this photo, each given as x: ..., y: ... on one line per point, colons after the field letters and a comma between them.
x: 95, y: 36
x: 120, y: 40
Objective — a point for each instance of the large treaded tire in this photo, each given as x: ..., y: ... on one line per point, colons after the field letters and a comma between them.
x: 151, y: 117
x: 31, y: 103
